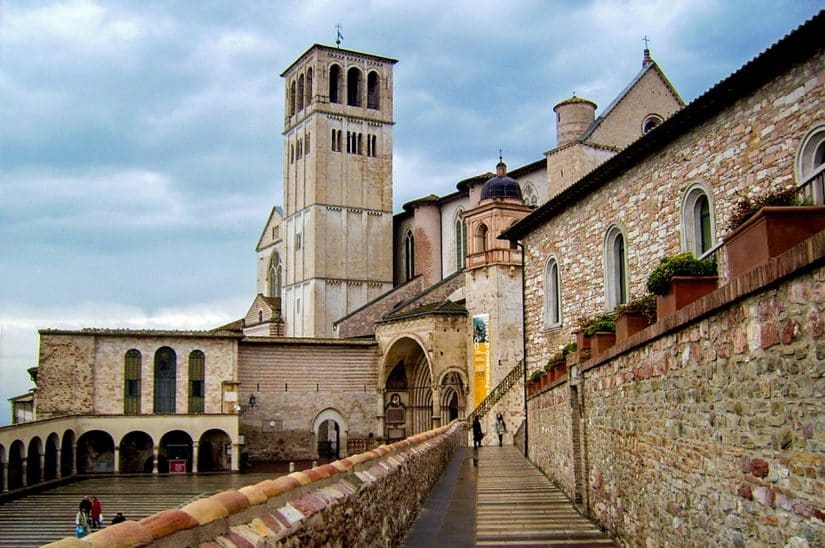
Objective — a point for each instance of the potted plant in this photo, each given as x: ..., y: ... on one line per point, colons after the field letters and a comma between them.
x: 765, y: 226
x: 571, y: 353
x: 601, y: 330
x: 534, y: 381
x: 635, y: 315
x: 679, y: 280
x: 556, y: 365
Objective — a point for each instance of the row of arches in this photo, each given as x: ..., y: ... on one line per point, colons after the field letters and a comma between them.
x: 300, y: 92
x: 96, y: 452
x: 355, y: 143
x: 353, y: 89
x: 300, y: 148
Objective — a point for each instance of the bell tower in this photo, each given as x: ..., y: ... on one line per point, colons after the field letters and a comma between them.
x: 337, y: 225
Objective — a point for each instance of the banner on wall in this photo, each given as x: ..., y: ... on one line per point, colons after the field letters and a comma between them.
x: 481, y: 358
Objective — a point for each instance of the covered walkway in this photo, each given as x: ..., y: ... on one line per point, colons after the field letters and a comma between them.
x: 494, y: 496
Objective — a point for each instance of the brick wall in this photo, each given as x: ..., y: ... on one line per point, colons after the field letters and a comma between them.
x: 708, y: 426
x: 65, y: 375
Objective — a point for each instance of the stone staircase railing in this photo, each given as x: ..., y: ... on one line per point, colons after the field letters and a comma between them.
x: 516, y: 374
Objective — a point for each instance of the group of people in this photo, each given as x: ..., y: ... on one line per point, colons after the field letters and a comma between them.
x: 90, y: 516
x: 478, y: 435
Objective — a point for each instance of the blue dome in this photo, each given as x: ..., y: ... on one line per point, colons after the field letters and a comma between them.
x: 501, y: 187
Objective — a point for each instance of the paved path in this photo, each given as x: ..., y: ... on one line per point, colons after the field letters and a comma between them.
x: 495, y: 497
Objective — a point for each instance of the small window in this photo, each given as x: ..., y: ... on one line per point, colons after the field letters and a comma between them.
x: 481, y: 238
x: 615, y: 268
x: 298, y: 239
x: 650, y: 122
x: 552, y: 294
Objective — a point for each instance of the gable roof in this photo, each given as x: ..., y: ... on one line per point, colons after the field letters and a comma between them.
x: 799, y: 44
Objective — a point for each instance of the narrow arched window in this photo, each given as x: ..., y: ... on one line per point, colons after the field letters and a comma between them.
x: 165, y: 380
x: 697, y: 221
x: 460, y: 241
x: 354, y: 83
x: 615, y: 268
x: 197, y: 364
x: 552, y: 294
x: 131, y: 382
x: 308, y: 90
x: 334, y: 84
x: 292, y: 99
x: 374, y: 141
x: 300, y: 93
x: 650, y: 122
x: 481, y: 238
x: 810, y: 159
x: 275, y: 271
x: 409, y: 255
x: 373, y: 90
x: 360, y: 143
x: 306, y: 144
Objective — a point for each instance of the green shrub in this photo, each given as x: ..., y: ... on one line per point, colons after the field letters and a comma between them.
x: 569, y: 348
x: 645, y: 305
x: 683, y: 264
x: 555, y: 360
x: 536, y: 375
x: 746, y: 208
x: 605, y: 322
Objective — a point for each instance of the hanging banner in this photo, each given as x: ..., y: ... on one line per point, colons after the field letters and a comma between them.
x: 481, y: 358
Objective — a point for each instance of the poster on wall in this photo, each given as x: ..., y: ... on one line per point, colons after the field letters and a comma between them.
x: 481, y: 358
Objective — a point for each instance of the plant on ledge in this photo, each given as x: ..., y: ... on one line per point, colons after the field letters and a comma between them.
x: 569, y: 348
x: 644, y: 306
x: 555, y: 360
x: 599, y: 324
x: 746, y: 207
x: 535, y: 376
x: 683, y: 264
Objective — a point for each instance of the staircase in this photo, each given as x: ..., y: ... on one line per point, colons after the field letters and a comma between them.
x: 515, y: 375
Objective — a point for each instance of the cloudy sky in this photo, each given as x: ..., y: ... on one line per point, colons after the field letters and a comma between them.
x: 140, y: 141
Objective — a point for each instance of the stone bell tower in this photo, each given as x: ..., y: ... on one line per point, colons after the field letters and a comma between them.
x: 337, y: 226
x: 493, y: 284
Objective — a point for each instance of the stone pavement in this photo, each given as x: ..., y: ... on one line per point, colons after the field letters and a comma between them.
x: 494, y: 496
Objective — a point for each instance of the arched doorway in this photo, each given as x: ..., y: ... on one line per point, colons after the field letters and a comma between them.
x: 95, y: 453
x: 136, y: 453
x: 330, y: 431
x: 67, y: 453
x: 408, y: 394
x: 174, y: 446
x: 214, y: 451
x: 16, y: 465
x: 33, y: 470
x: 50, y: 460
x: 453, y: 401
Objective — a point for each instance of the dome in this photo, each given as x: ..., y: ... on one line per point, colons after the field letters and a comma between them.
x: 501, y: 186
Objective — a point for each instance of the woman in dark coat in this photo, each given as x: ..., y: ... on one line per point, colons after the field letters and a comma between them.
x: 477, y: 433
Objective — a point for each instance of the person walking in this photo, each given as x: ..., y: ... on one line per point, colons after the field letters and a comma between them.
x: 97, y: 513
x: 477, y: 433
x: 501, y: 428
x: 81, y: 523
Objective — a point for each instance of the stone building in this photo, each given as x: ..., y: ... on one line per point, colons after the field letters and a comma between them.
x: 707, y: 425
x: 344, y: 345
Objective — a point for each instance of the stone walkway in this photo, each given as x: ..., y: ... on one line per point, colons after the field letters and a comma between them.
x: 495, y: 497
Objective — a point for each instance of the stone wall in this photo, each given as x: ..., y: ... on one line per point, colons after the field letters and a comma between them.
x: 361, y: 322
x: 370, y: 499
x: 65, y: 374
x: 707, y: 426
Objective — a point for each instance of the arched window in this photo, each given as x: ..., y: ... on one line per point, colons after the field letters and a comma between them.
x: 531, y: 197
x: 300, y: 94
x: 292, y: 99
x: 306, y: 144
x: 552, y: 294
x: 373, y: 90
x: 481, y: 238
x: 809, y: 164
x: 354, y: 83
x: 697, y: 221
x: 275, y: 271
x: 308, y: 90
x: 615, y: 278
x: 131, y: 382
x: 360, y: 149
x: 460, y: 241
x: 197, y: 364
x: 165, y: 379
x: 374, y: 141
x: 334, y: 84
x: 409, y: 255
x: 650, y: 122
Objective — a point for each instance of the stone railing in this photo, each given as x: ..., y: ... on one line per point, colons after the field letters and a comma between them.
x: 371, y: 498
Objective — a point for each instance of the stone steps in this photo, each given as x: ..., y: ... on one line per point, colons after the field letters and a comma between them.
x: 49, y: 516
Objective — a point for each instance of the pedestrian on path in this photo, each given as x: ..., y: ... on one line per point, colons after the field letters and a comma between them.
x: 477, y: 433
x: 97, y: 513
x: 81, y: 523
x: 501, y: 428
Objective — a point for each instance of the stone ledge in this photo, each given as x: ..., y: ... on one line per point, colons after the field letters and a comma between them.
x: 271, y: 509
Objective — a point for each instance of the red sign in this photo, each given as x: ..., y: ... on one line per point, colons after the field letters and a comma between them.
x: 177, y: 466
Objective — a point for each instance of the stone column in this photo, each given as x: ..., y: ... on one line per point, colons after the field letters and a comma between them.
x: 436, y: 406
x: 59, y: 463
x: 25, y: 478
x: 379, y: 412
x: 5, y: 477
x: 42, y: 458
x: 195, y: 450
x: 116, y: 465
x: 236, y: 457
x: 155, y: 451
x: 74, y: 459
